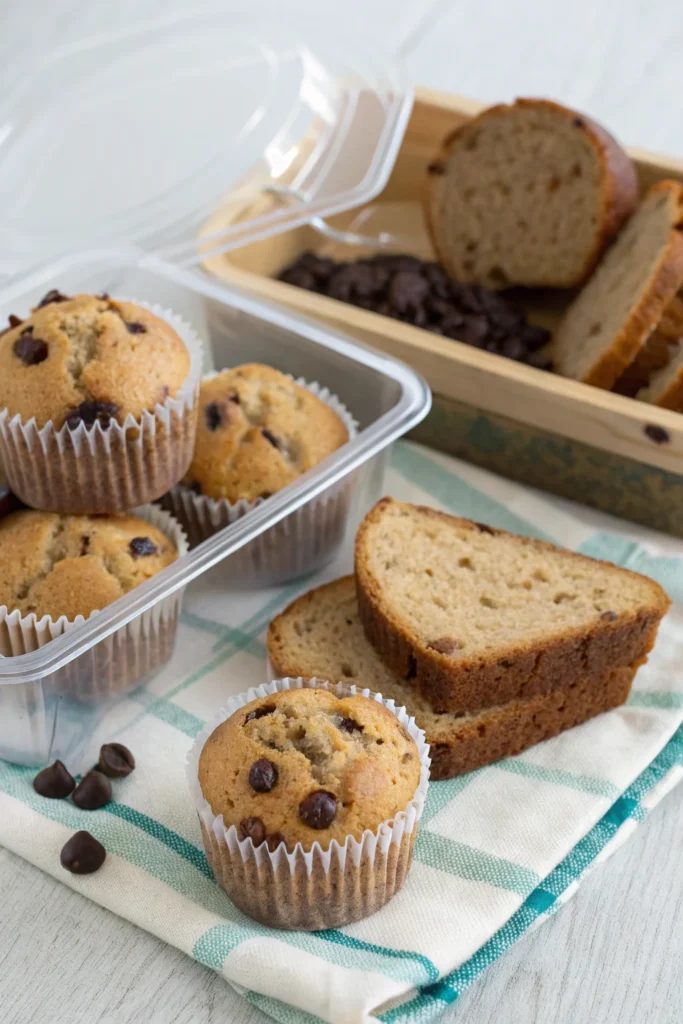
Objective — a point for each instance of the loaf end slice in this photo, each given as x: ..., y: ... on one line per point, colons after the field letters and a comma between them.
x: 527, y: 194
x: 474, y: 616
x: 607, y: 326
x: 665, y: 388
x: 321, y: 635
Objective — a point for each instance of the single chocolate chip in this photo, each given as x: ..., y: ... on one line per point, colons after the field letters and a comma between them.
x: 408, y: 291
x: 351, y: 282
x: 467, y: 296
x: 441, y: 307
x: 500, y: 312
x: 29, y: 349
x: 513, y: 348
x: 539, y: 361
x: 350, y: 725
x: 116, y: 761
x: 474, y: 330
x: 267, y: 709
x: 52, y: 296
x: 609, y: 616
x: 14, y: 321
x: 91, y: 412
x: 483, y: 528
x: 254, y: 829
x: 444, y: 645
x: 274, y: 840
x: 317, y: 810
x: 134, y: 327
x: 82, y: 854
x: 299, y: 277
x: 535, y: 337
x: 579, y: 122
x: 55, y: 782
x: 139, y: 547
x: 93, y: 791
x: 85, y: 544
x: 436, y: 167
x: 213, y: 416
x: 270, y: 437
x: 263, y: 775
x: 657, y: 434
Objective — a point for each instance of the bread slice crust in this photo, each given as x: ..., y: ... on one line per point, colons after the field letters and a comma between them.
x: 515, y: 670
x: 458, y: 743
x: 617, y: 199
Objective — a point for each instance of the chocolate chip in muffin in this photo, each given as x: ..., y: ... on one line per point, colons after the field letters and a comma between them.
x: 85, y: 544
x: 54, y: 782
x: 135, y: 327
x: 213, y: 416
x: 91, y: 412
x: 263, y: 775
x: 116, y: 761
x: 54, y: 295
x: 267, y: 709
x: 350, y: 725
x: 318, y: 809
x: 14, y: 321
x: 82, y: 854
x: 254, y: 829
x: 140, y: 547
x: 29, y: 349
x: 270, y: 437
x: 92, y: 792
x: 274, y: 840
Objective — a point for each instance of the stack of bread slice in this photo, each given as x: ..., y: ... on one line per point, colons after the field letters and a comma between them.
x: 492, y: 641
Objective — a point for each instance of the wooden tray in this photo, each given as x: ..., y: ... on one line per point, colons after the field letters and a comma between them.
x: 549, y: 408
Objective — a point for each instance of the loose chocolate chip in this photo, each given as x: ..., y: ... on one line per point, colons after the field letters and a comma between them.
x: 55, y: 782
x: 513, y: 348
x: 299, y: 277
x: 657, y: 434
x: 609, y: 616
x: 213, y: 416
x: 116, y: 761
x: 133, y: 327
x: 14, y: 321
x: 85, y: 544
x: 254, y: 829
x: 539, y: 361
x: 93, y: 791
x: 535, y: 337
x: 474, y: 330
x: 408, y: 291
x: 444, y: 645
x: 139, y: 547
x: 82, y: 854
x: 263, y: 775
x: 274, y: 840
x: 351, y: 282
x: 350, y: 725
x: 267, y: 709
x: 317, y: 810
x: 52, y: 296
x: 270, y: 437
x: 29, y: 349
x: 436, y: 168
x: 91, y: 412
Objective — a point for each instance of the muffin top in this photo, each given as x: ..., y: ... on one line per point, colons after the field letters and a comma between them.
x: 72, y: 565
x: 306, y: 766
x: 88, y: 358
x: 258, y: 431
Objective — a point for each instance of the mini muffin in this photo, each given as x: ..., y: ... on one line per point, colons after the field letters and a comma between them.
x: 257, y: 431
x: 78, y: 371
x: 73, y: 565
x: 294, y: 782
x: 56, y: 569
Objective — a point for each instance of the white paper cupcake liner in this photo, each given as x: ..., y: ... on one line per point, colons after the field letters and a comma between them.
x: 122, y: 660
x: 105, y: 470
x: 317, y: 888
x: 297, y: 545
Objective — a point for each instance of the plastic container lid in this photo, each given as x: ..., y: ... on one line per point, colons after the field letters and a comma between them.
x: 143, y: 134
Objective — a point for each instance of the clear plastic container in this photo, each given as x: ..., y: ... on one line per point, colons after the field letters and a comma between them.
x: 42, y: 711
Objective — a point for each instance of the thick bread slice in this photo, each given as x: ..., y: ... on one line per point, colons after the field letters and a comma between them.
x: 657, y: 351
x: 607, y: 325
x: 474, y: 616
x: 529, y: 194
x: 321, y: 635
x: 666, y: 385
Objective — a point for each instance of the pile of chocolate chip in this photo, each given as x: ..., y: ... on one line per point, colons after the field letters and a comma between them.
x: 421, y: 293
x: 83, y: 854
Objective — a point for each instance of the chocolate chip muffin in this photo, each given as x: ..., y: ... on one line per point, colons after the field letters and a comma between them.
x: 258, y: 431
x: 306, y: 766
x: 88, y: 359
x: 72, y: 565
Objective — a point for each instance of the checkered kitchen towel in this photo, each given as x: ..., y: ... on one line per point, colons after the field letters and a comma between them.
x: 498, y: 849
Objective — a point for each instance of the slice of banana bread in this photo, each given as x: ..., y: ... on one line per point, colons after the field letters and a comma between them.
x: 473, y: 616
x: 528, y: 194
x: 321, y: 635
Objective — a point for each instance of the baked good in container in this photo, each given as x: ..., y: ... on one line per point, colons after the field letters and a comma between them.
x: 96, y: 403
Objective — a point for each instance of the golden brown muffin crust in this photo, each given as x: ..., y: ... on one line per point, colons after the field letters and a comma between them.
x: 350, y: 748
x: 89, y: 349
x: 257, y: 432
x: 72, y: 565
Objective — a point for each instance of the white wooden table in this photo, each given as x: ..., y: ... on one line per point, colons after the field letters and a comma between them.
x: 615, y: 952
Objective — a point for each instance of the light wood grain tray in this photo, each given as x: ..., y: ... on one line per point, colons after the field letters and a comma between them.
x: 567, y: 437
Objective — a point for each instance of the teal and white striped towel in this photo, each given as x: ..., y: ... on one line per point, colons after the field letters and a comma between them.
x: 498, y: 850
